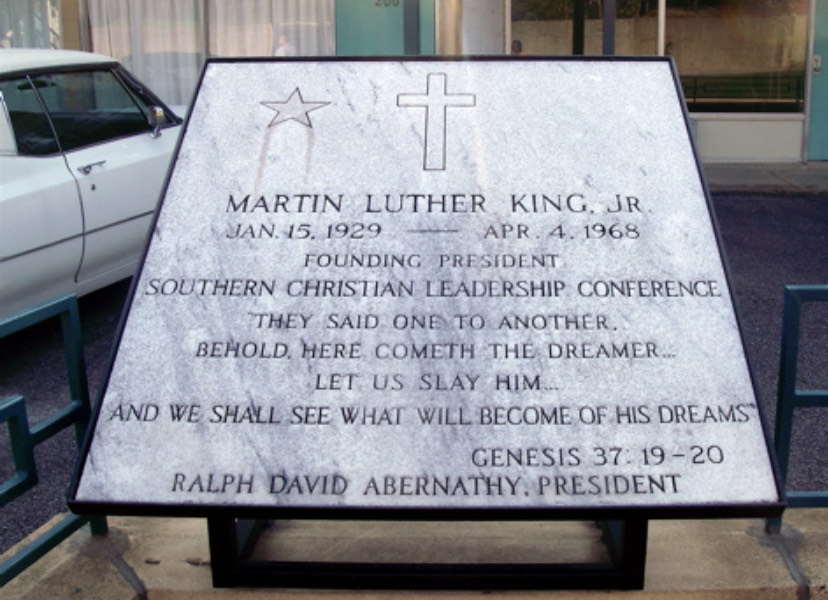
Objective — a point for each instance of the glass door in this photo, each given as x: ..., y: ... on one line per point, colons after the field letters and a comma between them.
x: 818, y: 125
x: 384, y: 27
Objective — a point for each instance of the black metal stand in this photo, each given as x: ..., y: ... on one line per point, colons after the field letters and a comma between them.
x: 232, y: 541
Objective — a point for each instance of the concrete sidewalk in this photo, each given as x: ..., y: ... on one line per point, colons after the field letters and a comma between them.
x: 168, y: 559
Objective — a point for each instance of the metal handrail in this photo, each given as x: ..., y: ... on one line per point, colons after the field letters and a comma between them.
x: 23, y: 437
x: 789, y: 398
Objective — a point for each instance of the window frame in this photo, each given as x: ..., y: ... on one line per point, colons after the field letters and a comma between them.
x: 142, y: 96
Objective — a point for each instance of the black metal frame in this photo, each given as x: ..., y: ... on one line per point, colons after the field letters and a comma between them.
x: 673, y: 512
x: 234, y: 530
x: 232, y: 541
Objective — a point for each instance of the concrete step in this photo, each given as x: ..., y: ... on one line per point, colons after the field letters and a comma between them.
x: 168, y: 559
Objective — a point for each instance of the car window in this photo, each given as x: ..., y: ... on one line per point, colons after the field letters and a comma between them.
x: 89, y: 107
x: 32, y: 131
x: 144, y: 97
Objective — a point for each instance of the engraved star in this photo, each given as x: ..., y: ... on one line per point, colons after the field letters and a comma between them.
x: 294, y: 108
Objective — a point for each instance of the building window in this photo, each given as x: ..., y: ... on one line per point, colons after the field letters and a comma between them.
x: 30, y: 24
x: 731, y: 55
x: 166, y: 43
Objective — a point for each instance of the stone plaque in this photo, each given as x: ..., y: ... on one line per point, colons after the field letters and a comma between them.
x: 432, y: 284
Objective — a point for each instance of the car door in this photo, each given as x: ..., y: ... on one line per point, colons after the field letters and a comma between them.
x: 118, y: 162
x: 41, y: 222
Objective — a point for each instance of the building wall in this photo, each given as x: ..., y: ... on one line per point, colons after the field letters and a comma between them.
x: 70, y: 24
x: 709, y: 45
x: 749, y: 138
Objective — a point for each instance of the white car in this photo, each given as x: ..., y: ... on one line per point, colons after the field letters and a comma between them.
x: 84, y: 151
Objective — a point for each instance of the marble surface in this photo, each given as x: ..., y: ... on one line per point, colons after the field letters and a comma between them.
x: 432, y: 284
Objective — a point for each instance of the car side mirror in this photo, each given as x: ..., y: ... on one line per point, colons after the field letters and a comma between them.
x: 156, y: 118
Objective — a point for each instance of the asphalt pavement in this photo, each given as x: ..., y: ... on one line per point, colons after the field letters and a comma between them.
x: 774, y: 230
x: 770, y: 242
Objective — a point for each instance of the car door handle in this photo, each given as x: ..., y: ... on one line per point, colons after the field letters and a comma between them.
x: 86, y: 169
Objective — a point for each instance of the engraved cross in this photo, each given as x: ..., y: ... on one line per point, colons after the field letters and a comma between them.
x: 436, y: 102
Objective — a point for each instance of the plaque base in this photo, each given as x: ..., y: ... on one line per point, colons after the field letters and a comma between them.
x: 232, y: 542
